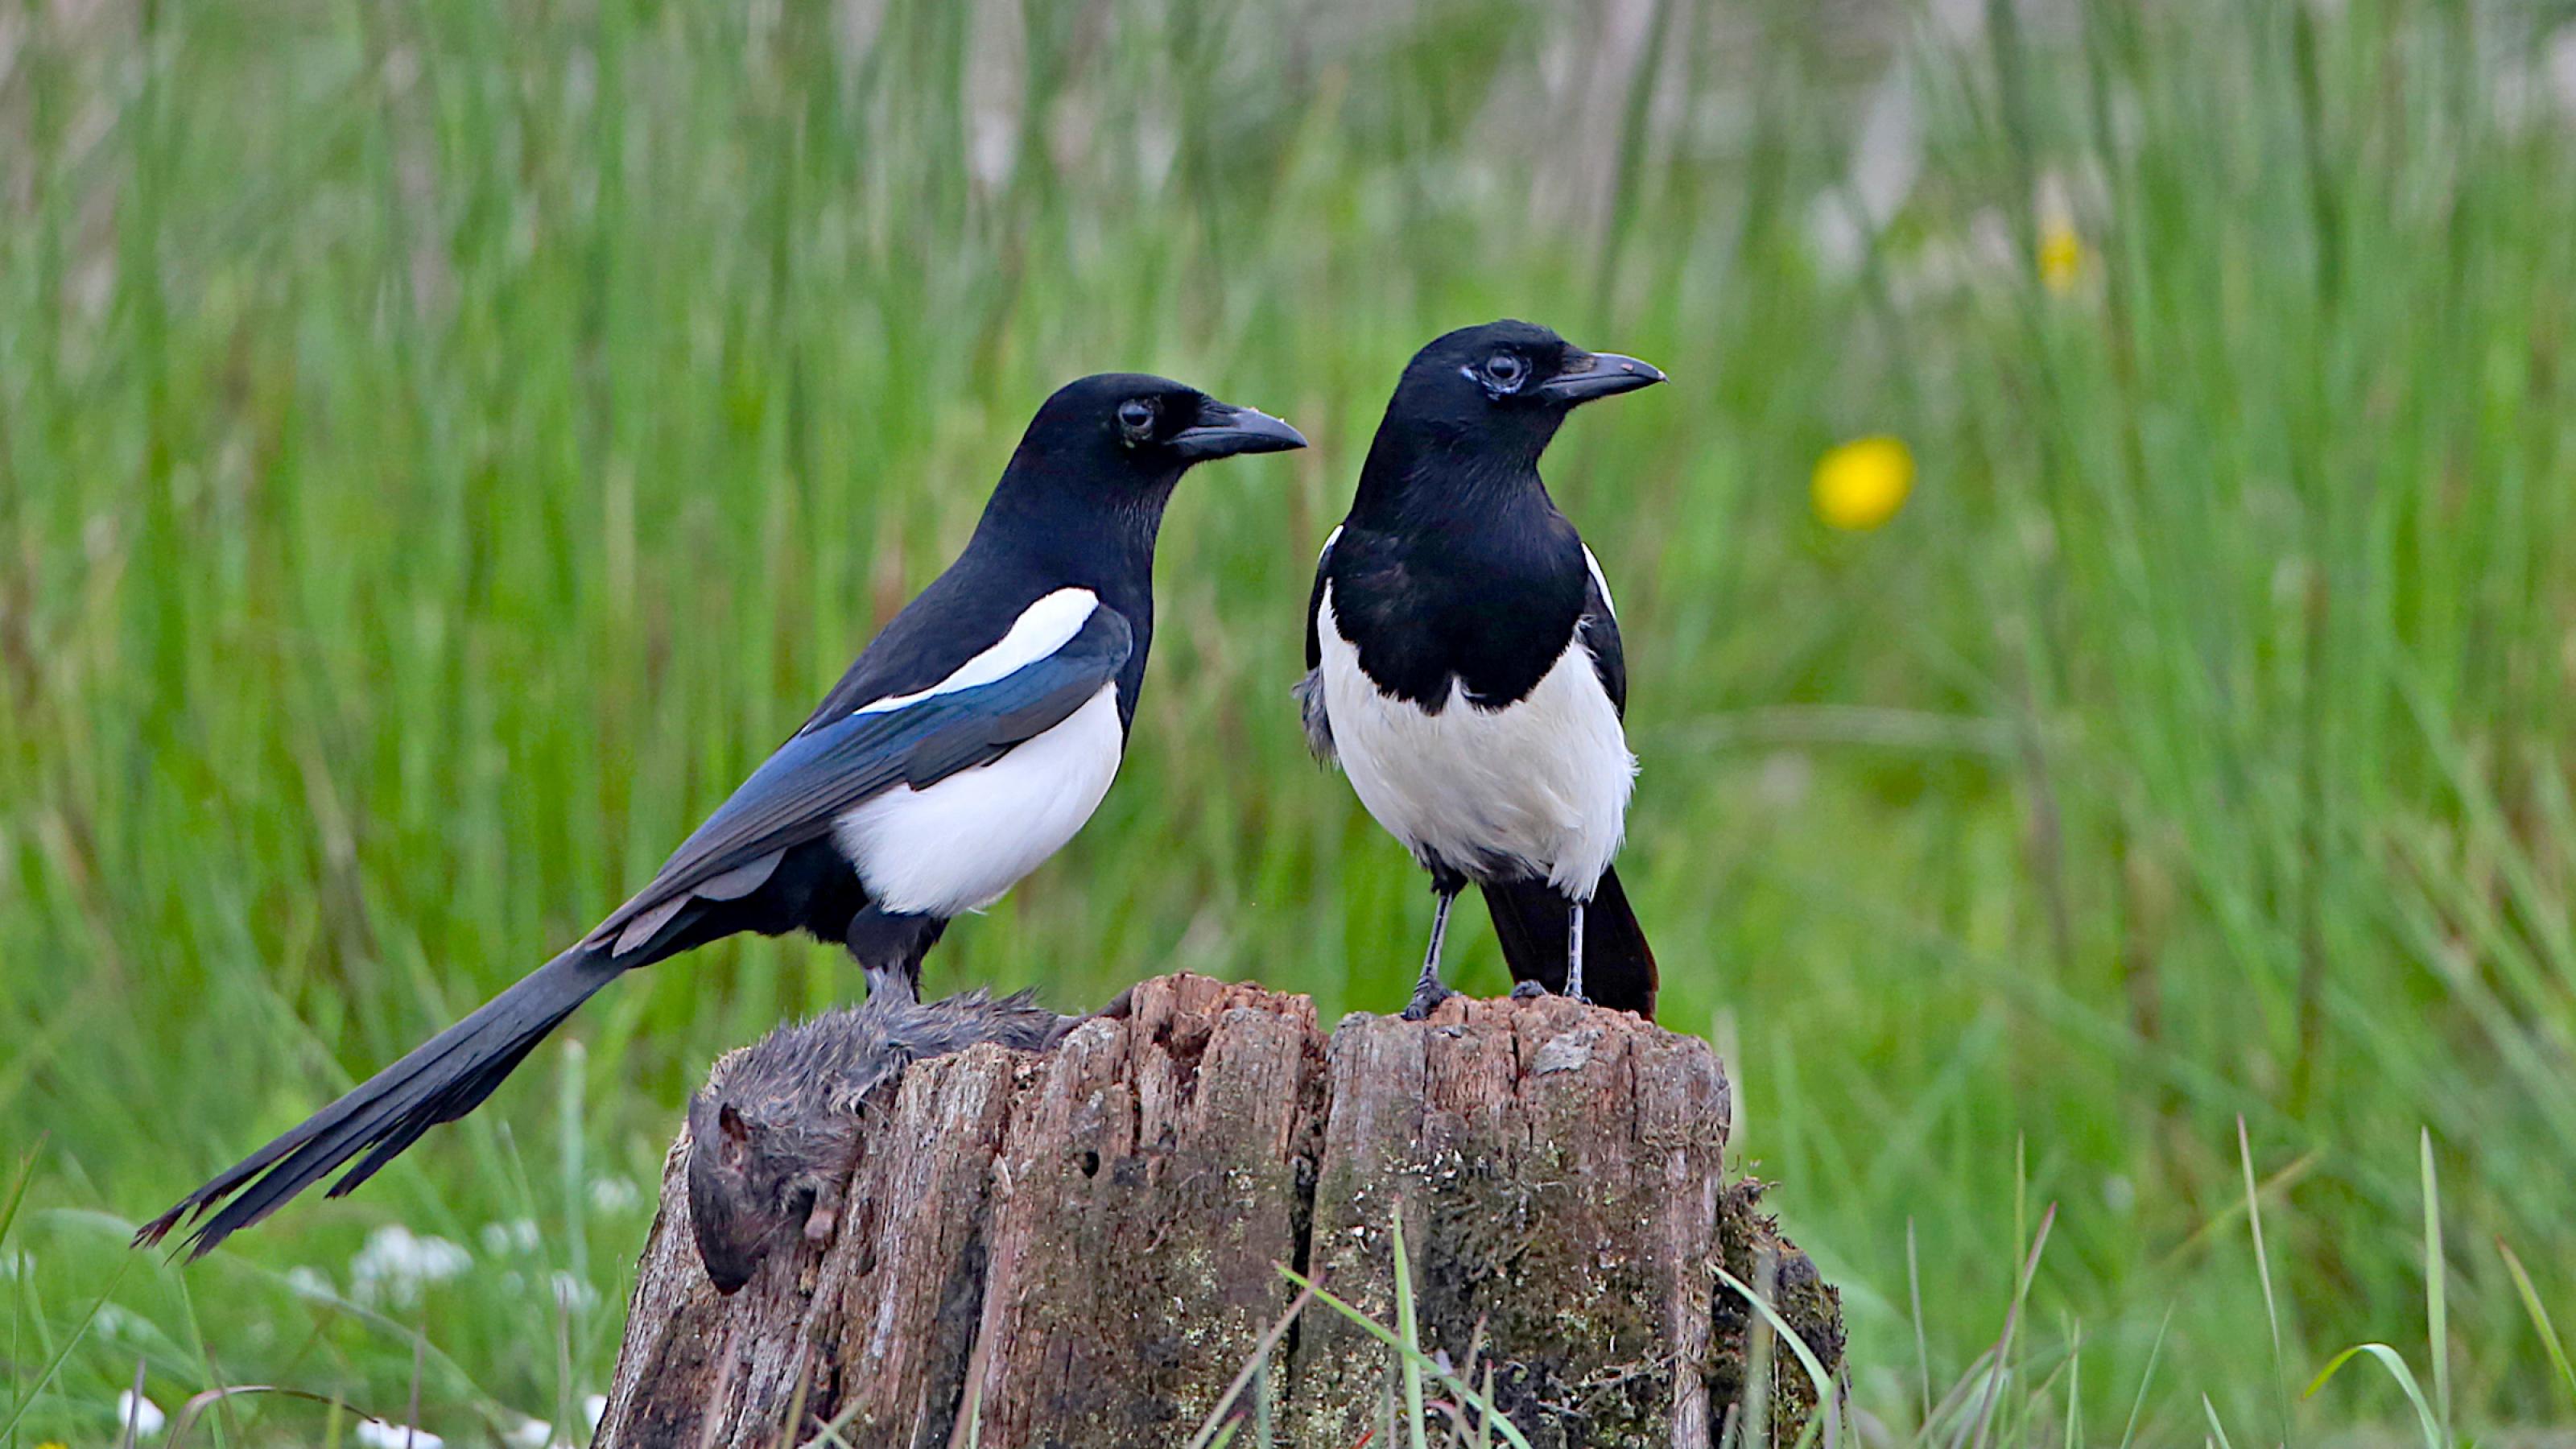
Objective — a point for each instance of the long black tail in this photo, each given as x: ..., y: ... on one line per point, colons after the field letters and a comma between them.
x: 442, y: 1080
x: 1533, y: 921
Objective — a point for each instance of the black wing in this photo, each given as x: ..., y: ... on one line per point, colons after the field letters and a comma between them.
x: 834, y: 764
x: 1599, y: 629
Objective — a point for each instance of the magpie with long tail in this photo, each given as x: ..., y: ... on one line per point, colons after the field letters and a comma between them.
x: 1464, y: 664
x: 969, y: 742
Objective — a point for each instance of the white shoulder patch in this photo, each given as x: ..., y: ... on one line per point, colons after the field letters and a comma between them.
x: 1042, y: 628
x: 1599, y: 582
x: 1329, y: 540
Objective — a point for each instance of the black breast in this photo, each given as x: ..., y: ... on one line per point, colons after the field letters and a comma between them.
x: 1492, y: 603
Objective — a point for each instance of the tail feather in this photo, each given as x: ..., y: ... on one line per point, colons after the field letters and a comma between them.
x: 1533, y: 921
x: 440, y: 1081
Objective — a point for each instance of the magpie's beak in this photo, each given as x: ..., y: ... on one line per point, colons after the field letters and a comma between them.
x: 1224, y: 430
x: 1600, y: 374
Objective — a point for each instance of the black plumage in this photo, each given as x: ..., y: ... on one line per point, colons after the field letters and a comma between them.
x: 1040, y: 626
x: 1465, y: 665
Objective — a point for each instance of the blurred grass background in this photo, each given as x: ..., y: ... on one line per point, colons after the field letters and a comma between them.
x: 444, y: 446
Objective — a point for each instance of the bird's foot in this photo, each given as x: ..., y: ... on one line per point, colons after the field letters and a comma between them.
x: 892, y: 986
x: 1533, y: 990
x: 1427, y: 997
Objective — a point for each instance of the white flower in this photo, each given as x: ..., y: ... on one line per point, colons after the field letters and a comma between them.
x: 614, y: 1194
x: 143, y: 1414
x: 377, y: 1434
x: 595, y: 1408
x: 531, y: 1434
x: 115, y: 1320
x: 518, y: 1235
x: 571, y: 1292
x: 394, y: 1264
x: 310, y: 1282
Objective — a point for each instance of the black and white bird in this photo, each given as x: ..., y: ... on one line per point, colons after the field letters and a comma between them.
x: 971, y: 740
x: 1464, y: 665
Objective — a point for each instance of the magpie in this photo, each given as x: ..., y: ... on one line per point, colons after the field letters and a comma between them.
x: 971, y: 739
x: 1464, y: 664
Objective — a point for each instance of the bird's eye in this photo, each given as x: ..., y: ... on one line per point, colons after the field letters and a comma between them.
x: 1136, y: 418
x: 1506, y: 370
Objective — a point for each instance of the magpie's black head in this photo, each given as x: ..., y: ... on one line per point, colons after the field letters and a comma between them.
x: 1507, y: 384
x: 1133, y: 434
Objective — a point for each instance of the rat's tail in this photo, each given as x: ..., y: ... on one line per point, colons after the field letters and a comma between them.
x: 1533, y: 921
x: 440, y: 1081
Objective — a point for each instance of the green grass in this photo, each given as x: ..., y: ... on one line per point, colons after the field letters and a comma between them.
x: 443, y: 446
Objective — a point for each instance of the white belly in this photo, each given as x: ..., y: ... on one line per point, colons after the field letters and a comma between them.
x: 959, y: 845
x: 1542, y: 783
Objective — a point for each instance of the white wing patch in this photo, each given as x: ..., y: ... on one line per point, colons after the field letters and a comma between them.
x: 1041, y: 629
x: 1542, y: 782
x: 958, y: 845
x: 1599, y: 582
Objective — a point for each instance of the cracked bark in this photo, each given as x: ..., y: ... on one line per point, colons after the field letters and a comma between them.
x: 1082, y: 1248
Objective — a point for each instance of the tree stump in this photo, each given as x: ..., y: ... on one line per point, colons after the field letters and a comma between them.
x: 1084, y: 1247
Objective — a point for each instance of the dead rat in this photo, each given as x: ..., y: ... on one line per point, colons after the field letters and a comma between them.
x: 774, y: 1134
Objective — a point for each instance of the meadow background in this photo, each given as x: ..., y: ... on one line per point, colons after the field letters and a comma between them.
x: 444, y: 445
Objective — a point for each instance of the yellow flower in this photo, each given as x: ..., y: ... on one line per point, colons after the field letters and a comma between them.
x: 2061, y: 256
x: 1861, y: 484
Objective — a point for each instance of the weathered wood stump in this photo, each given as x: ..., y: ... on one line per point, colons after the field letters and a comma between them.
x: 1083, y: 1248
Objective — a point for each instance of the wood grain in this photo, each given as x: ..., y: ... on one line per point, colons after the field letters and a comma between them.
x: 1083, y: 1248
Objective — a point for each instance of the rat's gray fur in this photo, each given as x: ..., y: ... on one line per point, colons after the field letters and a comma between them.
x: 774, y: 1134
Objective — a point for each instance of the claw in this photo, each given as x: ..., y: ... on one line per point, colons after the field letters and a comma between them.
x: 1527, y: 991
x: 1426, y: 1000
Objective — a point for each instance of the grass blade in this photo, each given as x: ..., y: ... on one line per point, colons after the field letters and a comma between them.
x: 1922, y: 1344
x: 54, y: 1365
x: 2147, y: 1377
x: 2217, y: 1430
x: 1406, y: 1329
x: 2539, y: 1314
x: 1207, y: 1436
x: 1502, y: 1423
x: 133, y: 1424
x: 2395, y: 1363
x: 1823, y: 1382
x: 2437, y: 1316
x: 2263, y: 1270
x: 18, y: 1189
x: 2012, y: 1322
x: 2074, y: 1391
x: 183, y: 1422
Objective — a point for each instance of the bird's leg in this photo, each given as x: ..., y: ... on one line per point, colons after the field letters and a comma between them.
x: 1427, y: 990
x: 889, y: 984
x: 1574, y: 955
x: 889, y: 948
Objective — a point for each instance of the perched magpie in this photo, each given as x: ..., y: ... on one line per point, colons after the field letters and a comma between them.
x: 969, y: 742
x: 1464, y: 665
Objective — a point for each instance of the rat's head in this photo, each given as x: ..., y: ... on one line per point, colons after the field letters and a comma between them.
x: 739, y: 1197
